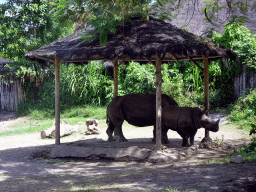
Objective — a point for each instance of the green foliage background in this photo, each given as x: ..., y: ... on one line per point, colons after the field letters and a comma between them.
x: 28, y: 25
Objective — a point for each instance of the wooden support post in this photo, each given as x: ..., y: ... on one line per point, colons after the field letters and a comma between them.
x: 158, y: 103
x: 115, y: 64
x: 206, y: 95
x: 57, y: 63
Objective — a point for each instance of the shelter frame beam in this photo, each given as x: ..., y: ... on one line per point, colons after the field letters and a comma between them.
x: 149, y: 60
x: 206, y: 95
x: 196, y: 64
x: 115, y: 64
x: 57, y: 63
x: 158, y: 102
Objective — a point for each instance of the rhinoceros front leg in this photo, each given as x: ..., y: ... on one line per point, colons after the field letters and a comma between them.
x: 185, y: 137
x: 192, y: 136
x: 185, y: 142
x: 165, y: 139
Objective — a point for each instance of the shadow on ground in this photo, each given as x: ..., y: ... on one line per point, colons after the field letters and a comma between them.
x: 30, y: 169
x: 6, y: 115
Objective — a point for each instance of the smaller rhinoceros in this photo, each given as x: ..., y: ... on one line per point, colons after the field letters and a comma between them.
x: 186, y: 121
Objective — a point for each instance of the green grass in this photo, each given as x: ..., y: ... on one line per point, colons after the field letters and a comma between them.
x: 87, y: 111
x: 248, y: 152
x: 37, y: 120
x: 214, y: 161
x: 243, y: 111
x: 28, y: 126
x: 233, y: 127
x: 93, y: 112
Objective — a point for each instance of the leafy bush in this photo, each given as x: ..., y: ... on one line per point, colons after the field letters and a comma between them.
x: 85, y: 84
x: 80, y: 85
x: 253, y: 129
x: 248, y: 152
x: 140, y: 79
x: 239, y: 39
x: 244, y: 110
x: 136, y: 78
x: 174, y: 85
x: 192, y: 77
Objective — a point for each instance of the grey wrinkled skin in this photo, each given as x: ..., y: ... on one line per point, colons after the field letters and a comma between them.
x: 137, y: 110
x: 186, y: 121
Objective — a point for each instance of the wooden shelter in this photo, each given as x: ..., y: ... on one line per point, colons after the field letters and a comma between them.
x: 152, y: 41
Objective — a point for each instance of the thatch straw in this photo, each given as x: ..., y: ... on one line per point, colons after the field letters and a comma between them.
x: 138, y: 40
x: 4, y: 70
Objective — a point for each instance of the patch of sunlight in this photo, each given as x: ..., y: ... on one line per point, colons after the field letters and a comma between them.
x: 3, y: 176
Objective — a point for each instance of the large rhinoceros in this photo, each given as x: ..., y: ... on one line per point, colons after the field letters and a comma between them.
x: 138, y: 110
x: 186, y: 121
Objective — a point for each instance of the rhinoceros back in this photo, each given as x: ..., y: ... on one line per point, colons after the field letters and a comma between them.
x: 138, y: 110
x: 167, y: 100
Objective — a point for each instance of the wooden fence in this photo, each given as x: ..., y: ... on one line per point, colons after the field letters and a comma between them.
x: 10, y: 94
x: 243, y: 81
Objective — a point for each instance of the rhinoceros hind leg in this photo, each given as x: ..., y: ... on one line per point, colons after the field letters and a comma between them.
x: 119, y: 132
x: 110, y: 131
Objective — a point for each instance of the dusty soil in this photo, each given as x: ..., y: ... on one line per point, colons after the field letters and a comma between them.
x: 25, y: 166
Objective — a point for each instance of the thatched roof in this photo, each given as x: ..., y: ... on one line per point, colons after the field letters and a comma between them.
x: 137, y: 40
x: 2, y: 60
x: 4, y: 70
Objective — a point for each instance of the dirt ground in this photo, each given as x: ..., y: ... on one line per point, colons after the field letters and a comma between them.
x: 25, y: 166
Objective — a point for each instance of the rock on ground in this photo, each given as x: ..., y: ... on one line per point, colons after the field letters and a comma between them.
x: 163, y: 157
x: 237, y: 159
x: 129, y: 153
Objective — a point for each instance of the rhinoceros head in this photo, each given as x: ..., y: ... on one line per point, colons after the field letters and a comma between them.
x: 208, y: 123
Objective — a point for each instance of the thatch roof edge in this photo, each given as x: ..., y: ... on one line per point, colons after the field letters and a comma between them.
x: 139, y: 41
